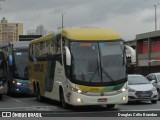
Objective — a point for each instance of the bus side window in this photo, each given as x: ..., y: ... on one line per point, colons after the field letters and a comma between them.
x: 58, y: 47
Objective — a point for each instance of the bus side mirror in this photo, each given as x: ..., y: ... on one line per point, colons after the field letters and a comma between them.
x: 68, y: 56
x: 10, y: 60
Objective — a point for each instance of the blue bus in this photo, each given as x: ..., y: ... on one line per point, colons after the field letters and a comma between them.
x: 16, y: 54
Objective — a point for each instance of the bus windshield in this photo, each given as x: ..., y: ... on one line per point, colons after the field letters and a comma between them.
x: 20, y: 69
x: 98, y: 63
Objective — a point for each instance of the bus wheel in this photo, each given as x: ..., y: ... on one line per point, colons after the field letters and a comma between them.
x: 111, y: 106
x: 34, y: 91
x: 8, y: 90
x: 38, y: 95
x: 62, y: 99
x: 0, y: 96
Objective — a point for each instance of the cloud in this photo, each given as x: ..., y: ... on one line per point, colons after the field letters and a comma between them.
x: 127, y: 16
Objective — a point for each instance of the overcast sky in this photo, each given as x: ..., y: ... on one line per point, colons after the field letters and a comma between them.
x: 128, y: 17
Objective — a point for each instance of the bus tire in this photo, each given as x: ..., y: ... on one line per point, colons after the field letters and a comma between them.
x: 111, y: 106
x: 38, y: 94
x: 62, y: 99
x: 8, y: 89
x: 34, y: 90
x: 0, y: 96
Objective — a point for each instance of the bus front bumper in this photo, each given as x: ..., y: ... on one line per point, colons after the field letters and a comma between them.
x: 21, y: 89
x: 77, y: 99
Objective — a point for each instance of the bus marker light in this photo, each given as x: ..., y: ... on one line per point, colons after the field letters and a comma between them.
x: 18, y: 83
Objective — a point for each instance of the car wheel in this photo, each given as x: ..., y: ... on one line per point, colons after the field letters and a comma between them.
x: 154, y: 101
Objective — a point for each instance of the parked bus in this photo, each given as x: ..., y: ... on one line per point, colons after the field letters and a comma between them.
x: 79, y: 66
x: 16, y: 54
x: 3, y: 74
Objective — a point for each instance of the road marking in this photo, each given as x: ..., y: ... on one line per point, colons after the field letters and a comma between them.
x: 36, y: 107
x: 14, y: 99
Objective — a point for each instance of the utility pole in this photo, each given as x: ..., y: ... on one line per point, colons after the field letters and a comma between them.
x: 0, y: 4
x: 155, y: 6
x: 62, y: 20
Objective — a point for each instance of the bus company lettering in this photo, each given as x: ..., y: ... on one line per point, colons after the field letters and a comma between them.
x: 39, y: 67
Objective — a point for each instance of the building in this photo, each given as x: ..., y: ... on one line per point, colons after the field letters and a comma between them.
x: 148, y: 52
x: 28, y: 37
x: 31, y: 32
x: 131, y: 43
x: 10, y: 32
x: 39, y: 31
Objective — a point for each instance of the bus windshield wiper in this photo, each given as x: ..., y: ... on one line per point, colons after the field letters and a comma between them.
x: 97, y: 69
x: 82, y: 76
x: 94, y: 74
x: 107, y: 75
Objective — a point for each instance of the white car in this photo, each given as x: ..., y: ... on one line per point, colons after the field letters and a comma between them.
x: 140, y: 89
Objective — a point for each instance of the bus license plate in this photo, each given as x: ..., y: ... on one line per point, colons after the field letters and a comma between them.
x: 102, y: 100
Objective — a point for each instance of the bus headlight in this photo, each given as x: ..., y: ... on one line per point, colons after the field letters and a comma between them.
x: 18, y: 83
x: 77, y: 90
x: 124, y: 89
x: 14, y: 82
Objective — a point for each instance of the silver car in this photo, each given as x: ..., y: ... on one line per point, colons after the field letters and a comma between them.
x: 140, y: 89
x: 154, y: 78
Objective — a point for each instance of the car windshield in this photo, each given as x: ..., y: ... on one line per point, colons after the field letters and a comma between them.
x: 158, y: 77
x: 98, y: 62
x: 133, y: 80
x: 21, y: 64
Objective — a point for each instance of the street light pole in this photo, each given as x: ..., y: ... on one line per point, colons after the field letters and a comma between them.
x: 155, y: 6
x: 62, y: 20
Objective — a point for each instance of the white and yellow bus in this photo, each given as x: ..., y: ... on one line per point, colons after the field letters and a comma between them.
x: 79, y: 66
